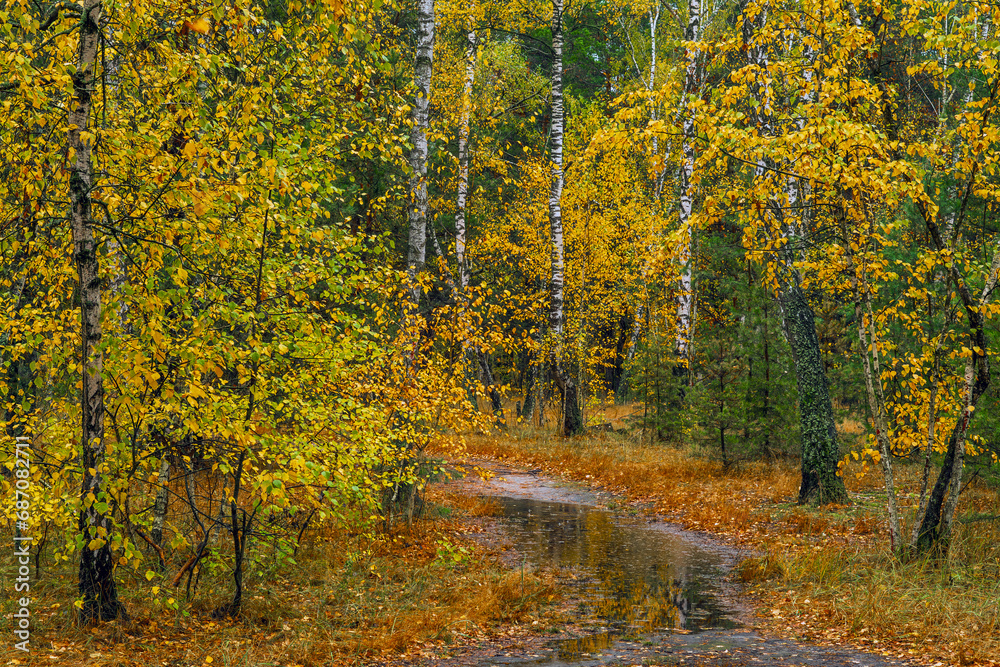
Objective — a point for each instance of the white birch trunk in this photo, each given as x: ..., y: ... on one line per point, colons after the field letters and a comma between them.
x: 463, y: 157
x: 555, y: 192
x: 417, y: 209
x: 685, y: 298
x: 571, y: 417
x: 654, y: 20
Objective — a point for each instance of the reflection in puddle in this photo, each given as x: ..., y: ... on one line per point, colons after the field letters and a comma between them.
x: 642, y: 607
x: 574, y: 649
x: 633, y: 578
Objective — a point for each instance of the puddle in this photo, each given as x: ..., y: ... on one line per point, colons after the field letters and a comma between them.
x: 632, y: 578
x: 649, y: 594
x: 578, y: 647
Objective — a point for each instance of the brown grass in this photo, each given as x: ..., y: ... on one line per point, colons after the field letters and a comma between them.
x: 348, y: 600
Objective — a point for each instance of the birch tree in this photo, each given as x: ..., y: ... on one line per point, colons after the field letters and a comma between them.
x: 417, y: 205
x: 649, y: 84
x: 97, y: 586
x: 692, y: 83
x: 572, y: 418
x: 463, y: 154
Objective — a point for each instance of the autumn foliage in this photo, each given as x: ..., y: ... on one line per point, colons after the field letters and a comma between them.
x: 255, y: 256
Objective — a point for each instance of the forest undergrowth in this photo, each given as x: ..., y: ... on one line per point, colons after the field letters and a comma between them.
x: 349, y: 599
x: 825, y: 574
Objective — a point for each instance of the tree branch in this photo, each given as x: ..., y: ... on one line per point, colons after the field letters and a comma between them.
x: 53, y: 15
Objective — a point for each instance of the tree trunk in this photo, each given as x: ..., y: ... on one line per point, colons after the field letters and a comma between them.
x: 936, y: 525
x: 488, y: 382
x: 572, y: 419
x: 160, y: 505
x: 96, y: 581
x: 417, y: 207
x: 685, y: 295
x: 869, y: 350
x: 463, y: 157
x: 820, y: 453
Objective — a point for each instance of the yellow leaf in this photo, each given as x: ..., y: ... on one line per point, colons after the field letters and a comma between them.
x: 199, y: 25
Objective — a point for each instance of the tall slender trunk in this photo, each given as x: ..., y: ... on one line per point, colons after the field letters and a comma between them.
x: 463, y: 157
x: 685, y: 296
x: 161, y: 503
x: 624, y: 383
x: 864, y: 318
x: 820, y: 451
x: 417, y: 206
x: 96, y: 583
x: 572, y: 420
x: 936, y: 525
x: 461, y: 207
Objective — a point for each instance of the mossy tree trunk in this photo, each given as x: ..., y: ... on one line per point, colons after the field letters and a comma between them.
x: 820, y: 452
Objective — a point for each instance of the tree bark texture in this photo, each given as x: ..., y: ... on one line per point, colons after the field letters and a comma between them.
x: 572, y: 419
x: 463, y: 158
x: 820, y: 452
x: 685, y: 295
x: 417, y: 206
x: 96, y: 579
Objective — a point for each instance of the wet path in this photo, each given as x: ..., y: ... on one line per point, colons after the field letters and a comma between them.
x: 646, y: 593
x: 632, y: 578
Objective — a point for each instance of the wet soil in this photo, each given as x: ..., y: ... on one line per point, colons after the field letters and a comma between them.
x: 636, y: 591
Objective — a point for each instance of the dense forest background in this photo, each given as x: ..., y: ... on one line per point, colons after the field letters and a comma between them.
x: 257, y: 256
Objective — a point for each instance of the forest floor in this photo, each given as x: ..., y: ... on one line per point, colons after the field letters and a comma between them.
x: 353, y: 597
x: 824, y: 575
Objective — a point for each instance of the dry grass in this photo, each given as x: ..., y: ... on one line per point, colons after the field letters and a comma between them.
x: 826, y: 573
x: 348, y: 600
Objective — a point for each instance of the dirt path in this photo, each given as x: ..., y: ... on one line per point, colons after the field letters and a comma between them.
x: 585, y: 640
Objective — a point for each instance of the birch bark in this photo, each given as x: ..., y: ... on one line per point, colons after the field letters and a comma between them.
x: 463, y: 157
x: 417, y: 208
x: 624, y: 383
x: 685, y: 297
x: 97, y: 585
x: 572, y: 421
